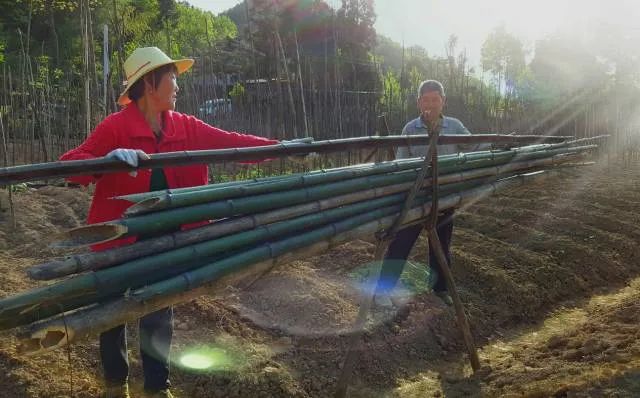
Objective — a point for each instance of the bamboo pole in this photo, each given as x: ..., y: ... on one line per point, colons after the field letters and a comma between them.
x: 207, y: 194
x: 302, y: 96
x: 139, y: 197
x: 401, y: 164
x: 50, y: 305
x: 173, y: 218
x: 5, y: 150
x: 285, y: 65
x: 84, y: 13
x: 103, y: 259
x: 103, y: 165
x: 97, y: 260
x: 66, y: 329
x: 104, y: 283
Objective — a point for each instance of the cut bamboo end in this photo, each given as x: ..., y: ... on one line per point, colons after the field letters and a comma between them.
x: 45, y: 340
x: 146, y: 206
x: 54, y: 269
x: 89, y: 235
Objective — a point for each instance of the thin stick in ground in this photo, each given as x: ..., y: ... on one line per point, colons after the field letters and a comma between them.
x: 461, y: 317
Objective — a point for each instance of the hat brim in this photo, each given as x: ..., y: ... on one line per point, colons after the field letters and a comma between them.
x: 182, y: 65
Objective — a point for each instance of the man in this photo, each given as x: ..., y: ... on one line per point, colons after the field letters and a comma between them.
x: 431, y: 101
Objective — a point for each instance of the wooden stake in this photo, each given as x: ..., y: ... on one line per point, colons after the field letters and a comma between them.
x: 461, y: 317
x: 443, y: 265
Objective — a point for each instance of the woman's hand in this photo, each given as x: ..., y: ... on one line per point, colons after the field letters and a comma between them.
x: 128, y: 156
x: 305, y: 160
x: 296, y: 141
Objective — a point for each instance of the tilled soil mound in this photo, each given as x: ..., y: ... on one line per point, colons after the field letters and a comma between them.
x: 547, y: 273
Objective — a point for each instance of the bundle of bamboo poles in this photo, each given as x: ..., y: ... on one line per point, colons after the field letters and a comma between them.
x: 261, y: 223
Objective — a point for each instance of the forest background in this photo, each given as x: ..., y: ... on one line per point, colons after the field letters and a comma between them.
x: 296, y: 68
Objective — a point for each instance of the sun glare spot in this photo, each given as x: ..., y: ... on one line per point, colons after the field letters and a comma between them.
x: 207, y: 359
x: 197, y: 361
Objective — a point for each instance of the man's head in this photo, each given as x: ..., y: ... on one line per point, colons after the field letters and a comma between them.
x: 431, y: 99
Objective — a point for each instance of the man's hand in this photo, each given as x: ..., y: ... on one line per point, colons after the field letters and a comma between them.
x: 128, y: 156
x: 432, y: 122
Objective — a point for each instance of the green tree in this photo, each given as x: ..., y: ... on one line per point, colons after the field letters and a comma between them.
x: 355, y: 23
x: 356, y: 40
x: 197, y: 31
x: 168, y: 15
x: 503, y: 56
x: 562, y: 66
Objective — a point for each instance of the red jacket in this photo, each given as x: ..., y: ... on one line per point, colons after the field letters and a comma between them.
x: 129, y: 129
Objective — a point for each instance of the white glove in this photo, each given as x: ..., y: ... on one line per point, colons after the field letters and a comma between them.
x: 305, y: 160
x: 129, y: 156
x: 306, y: 140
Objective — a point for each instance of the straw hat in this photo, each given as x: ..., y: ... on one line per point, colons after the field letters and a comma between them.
x: 146, y: 59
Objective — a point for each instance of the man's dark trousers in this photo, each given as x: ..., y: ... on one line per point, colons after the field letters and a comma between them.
x: 400, y: 247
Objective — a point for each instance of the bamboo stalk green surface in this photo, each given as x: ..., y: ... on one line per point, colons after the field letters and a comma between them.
x: 95, y: 286
x: 54, y: 333
x: 373, y: 167
x: 322, y: 176
x: 188, y: 197
x: 173, y: 218
x: 201, y: 275
x: 103, y: 259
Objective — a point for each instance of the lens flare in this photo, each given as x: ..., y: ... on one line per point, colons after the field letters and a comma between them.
x: 397, y: 277
x: 205, y: 359
x: 327, y: 306
x: 197, y: 361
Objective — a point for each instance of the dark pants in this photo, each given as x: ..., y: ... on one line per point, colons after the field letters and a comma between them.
x: 156, y: 330
x: 400, y: 247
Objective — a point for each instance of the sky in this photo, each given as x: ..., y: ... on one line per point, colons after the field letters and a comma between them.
x: 429, y: 23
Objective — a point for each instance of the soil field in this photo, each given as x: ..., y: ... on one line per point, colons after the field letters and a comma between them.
x: 549, y: 274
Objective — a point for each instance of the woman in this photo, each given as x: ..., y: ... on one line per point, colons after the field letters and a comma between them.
x: 148, y: 124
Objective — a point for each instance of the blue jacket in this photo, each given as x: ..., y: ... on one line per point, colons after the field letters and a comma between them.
x: 450, y: 126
